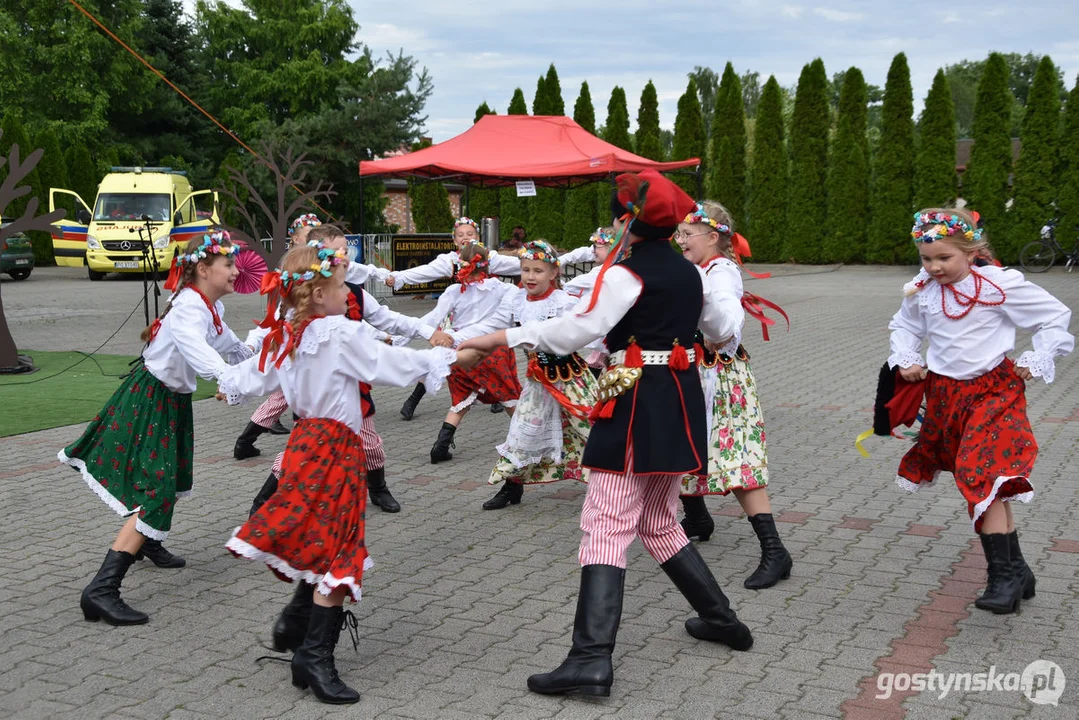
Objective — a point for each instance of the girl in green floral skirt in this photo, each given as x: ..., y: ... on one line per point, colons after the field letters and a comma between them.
x: 136, y: 454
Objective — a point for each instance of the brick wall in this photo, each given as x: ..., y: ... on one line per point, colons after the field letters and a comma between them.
x: 397, y: 210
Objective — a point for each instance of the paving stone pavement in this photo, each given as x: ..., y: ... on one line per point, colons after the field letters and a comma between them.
x: 464, y: 604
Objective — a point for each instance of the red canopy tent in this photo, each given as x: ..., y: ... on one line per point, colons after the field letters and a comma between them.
x: 498, y: 150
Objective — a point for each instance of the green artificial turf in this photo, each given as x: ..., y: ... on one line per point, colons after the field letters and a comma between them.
x: 59, y: 394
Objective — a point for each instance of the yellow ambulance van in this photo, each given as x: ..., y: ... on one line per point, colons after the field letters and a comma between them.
x: 140, y: 213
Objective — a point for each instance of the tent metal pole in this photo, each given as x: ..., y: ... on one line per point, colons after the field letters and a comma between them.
x: 466, y: 211
x: 700, y: 184
x: 361, y: 205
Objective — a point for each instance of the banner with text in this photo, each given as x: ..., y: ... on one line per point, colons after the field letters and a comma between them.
x: 410, y: 251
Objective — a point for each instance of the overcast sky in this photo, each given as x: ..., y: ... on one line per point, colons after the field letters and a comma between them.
x: 480, y: 51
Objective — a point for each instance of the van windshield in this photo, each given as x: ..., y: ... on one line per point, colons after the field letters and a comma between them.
x: 132, y: 206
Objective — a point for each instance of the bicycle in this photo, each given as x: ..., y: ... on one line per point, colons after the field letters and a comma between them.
x: 1039, y: 255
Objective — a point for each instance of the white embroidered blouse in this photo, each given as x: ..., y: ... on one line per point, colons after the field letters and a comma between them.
x: 476, y: 306
x: 446, y: 264
x: 187, y: 344
x: 334, y: 355
x: 972, y: 345
x: 726, y: 279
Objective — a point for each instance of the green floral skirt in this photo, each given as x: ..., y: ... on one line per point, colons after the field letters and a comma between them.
x: 136, y: 454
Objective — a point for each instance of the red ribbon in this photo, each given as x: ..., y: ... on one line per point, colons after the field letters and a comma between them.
x: 537, y: 374
x: 175, y: 273
x: 752, y: 305
x: 741, y: 250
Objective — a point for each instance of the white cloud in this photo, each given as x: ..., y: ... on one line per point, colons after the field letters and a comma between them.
x: 791, y: 11
x: 837, y: 15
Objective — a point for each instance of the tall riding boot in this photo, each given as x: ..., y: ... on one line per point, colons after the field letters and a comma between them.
x: 379, y: 493
x: 717, y: 621
x: 245, y: 444
x: 312, y: 663
x: 440, y: 451
x: 1020, y: 564
x: 159, y: 555
x: 277, y: 428
x: 588, y: 669
x: 291, y: 626
x: 1005, y: 587
x: 265, y: 493
x: 101, y: 598
x: 509, y: 494
x: 409, y: 408
x: 698, y: 522
x: 775, y: 562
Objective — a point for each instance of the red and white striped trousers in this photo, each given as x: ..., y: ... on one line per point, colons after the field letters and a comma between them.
x: 270, y: 411
x: 621, y: 506
x: 372, y: 447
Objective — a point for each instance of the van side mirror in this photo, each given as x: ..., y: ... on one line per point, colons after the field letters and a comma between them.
x: 83, y: 216
x: 177, y: 219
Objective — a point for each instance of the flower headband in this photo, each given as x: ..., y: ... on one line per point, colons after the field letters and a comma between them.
x: 216, y: 243
x: 539, y: 250
x: 700, y: 216
x: 602, y: 237
x: 943, y: 225
x: 305, y: 220
x: 327, y: 260
x: 465, y: 221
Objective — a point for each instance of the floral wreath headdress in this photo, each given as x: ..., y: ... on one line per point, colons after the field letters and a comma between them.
x: 739, y: 244
x: 942, y: 225
x: 465, y: 221
x: 305, y: 220
x: 602, y: 236
x: 279, y: 283
x: 216, y: 243
x: 539, y: 250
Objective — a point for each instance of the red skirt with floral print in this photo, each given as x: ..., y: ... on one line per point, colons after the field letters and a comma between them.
x: 312, y: 528
x: 977, y: 430
x: 493, y: 379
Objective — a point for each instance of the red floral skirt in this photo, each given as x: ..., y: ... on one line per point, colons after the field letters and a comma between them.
x: 312, y: 528
x: 494, y: 379
x: 977, y: 430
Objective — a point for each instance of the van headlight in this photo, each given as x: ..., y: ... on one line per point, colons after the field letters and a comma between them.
x: 162, y: 242
x: 92, y: 243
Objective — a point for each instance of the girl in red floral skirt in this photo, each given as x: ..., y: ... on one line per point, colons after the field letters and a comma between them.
x: 312, y: 528
x: 136, y: 454
x: 975, y: 423
x: 474, y: 299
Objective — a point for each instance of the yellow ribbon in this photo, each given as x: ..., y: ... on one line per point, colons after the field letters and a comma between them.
x: 858, y: 442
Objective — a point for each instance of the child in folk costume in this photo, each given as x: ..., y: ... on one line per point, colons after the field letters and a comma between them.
x: 136, y: 454
x: 649, y: 425
x: 312, y: 528
x: 550, y: 424
x: 737, y: 456
x: 466, y: 231
x: 472, y: 301
x: 267, y: 417
x: 975, y: 424
x: 597, y: 252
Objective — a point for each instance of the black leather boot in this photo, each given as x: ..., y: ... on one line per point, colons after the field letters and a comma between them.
x: 291, y: 626
x: 440, y: 451
x: 775, y: 562
x: 312, y: 663
x: 158, y: 555
x: 698, y: 522
x: 409, y: 408
x: 509, y: 494
x: 588, y: 669
x: 265, y: 493
x: 497, y: 407
x: 379, y: 493
x: 101, y: 598
x: 1005, y: 587
x: 277, y: 428
x: 717, y: 621
x: 245, y: 444
x: 1020, y: 564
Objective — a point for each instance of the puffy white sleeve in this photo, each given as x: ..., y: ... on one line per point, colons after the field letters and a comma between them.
x: 227, y: 343
x: 500, y: 319
x: 504, y: 264
x: 359, y: 273
x: 440, y: 267
x: 908, y: 330
x: 578, y: 255
x: 256, y: 336
x: 581, y: 284
x: 1031, y: 307
x: 362, y: 358
x: 722, y: 315
x: 443, y: 307
x: 240, y: 382
x: 393, y: 323
x: 573, y: 331
x: 188, y: 324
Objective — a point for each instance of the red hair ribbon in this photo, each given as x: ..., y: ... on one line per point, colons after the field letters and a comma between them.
x: 537, y: 374
x: 752, y: 305
x: 466, y: 271
x: 741, y: 250
x: 175, y: 271
x: 277, y: 337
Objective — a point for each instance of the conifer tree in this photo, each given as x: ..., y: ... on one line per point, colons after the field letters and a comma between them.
x: 985, y: 182
x: 512, y: 209
x: 934, y: 171
x: 647, y: 140
x: 807, y: 208
x: 431, y: 210
x: 768, y: 178
x: 727, y: 166
x: 82, y: 174
x: 1035, y: 171
x: 1068, y: 195
x: 553, y: 89
x: 482, y: 110
x: 891, y: 200
x: 52, y: 173
x: 689, y: 139
x: 15, y: 134
x: 483, y: 202
x: 616, y: 132
x: 581, y: 219
x: 546, y: 211
x: 539, y: 100
x: 848, y: 176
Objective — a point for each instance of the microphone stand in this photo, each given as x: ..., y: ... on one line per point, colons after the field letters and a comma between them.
x: 149, y: 260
